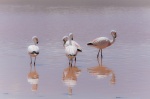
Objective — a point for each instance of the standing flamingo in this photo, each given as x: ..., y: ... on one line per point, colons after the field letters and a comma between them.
x: 103, y: 42
x: 71, y: 51
x: 33, y: 50
x: 66, y: 42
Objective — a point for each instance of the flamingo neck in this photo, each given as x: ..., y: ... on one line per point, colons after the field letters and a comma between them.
x: 70, y: 41
x: 34, y: 41
x: 112, y: 41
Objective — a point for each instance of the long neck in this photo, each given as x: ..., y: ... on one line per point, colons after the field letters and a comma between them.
x: 70, y: 41
x: 35, y: 41
x: 112, y: 41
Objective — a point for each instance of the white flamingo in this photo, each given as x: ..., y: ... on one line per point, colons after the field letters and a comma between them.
x: 66, y: 42
x: 33, y: 50
x: 71, y: 51
x: 103, y: 42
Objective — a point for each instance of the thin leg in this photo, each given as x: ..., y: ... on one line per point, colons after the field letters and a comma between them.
x: 75, y: 61
x: 34, y: 68
x: 34, y: 61
x: 71, y: 62
x: 101, y: 62
x: 98, y: 54
x: 30, y: 67
x: 101, y: 54
x: 31, y: 60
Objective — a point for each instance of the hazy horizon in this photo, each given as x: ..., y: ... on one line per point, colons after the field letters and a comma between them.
x: 77, y: 2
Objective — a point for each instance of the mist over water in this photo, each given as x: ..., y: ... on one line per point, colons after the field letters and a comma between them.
x: 125, y: 65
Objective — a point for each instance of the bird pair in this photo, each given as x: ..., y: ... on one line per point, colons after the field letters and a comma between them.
x: 72, y: 47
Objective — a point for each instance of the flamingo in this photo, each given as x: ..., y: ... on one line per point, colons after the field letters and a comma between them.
x: 66, y: 42
x: 103, y: 42
x: 33, y: 50
x: 71, y: 51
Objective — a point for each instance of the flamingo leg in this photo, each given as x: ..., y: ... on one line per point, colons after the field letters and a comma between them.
x: 31, y: 60
x: 98, y: 54
x: 101, y: 62
x: 75, y: 61
x: 71, y: 62
x: 30, y: 67
x: 101, y: 54
x: 34, y: 61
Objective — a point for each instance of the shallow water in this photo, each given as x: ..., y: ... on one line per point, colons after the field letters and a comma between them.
x: 126, y: 62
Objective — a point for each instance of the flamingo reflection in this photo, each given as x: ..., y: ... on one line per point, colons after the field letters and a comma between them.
x: 70, y: 75
x: 33, y: 78
x: 101, y: 72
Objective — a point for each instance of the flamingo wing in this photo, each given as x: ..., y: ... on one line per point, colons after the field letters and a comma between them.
x: 77, y: 45
x: 101, y: 42
x: 33, y: 48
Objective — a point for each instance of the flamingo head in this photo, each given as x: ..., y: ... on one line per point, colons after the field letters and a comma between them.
x: 71, y: 36
x: 35, y: 39
x: 65, y: 39
x: 114, y: 33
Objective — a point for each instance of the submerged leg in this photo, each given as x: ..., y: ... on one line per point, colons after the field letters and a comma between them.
x: 71, y: 62
x: 98, y: 56
x: 31, y: 60
x: 101, y: 54
x: 101, y: 62
x: 75, y: 61
x: 34, y: 61
x: 30, y: 67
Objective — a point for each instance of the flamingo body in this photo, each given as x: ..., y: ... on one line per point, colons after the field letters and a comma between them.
x: 74, y: 43
x: 100, y: 43
x: 33, y: 50
x: 71, y: 52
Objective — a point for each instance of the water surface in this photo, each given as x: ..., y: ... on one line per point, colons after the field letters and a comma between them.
x: 126, y: 62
